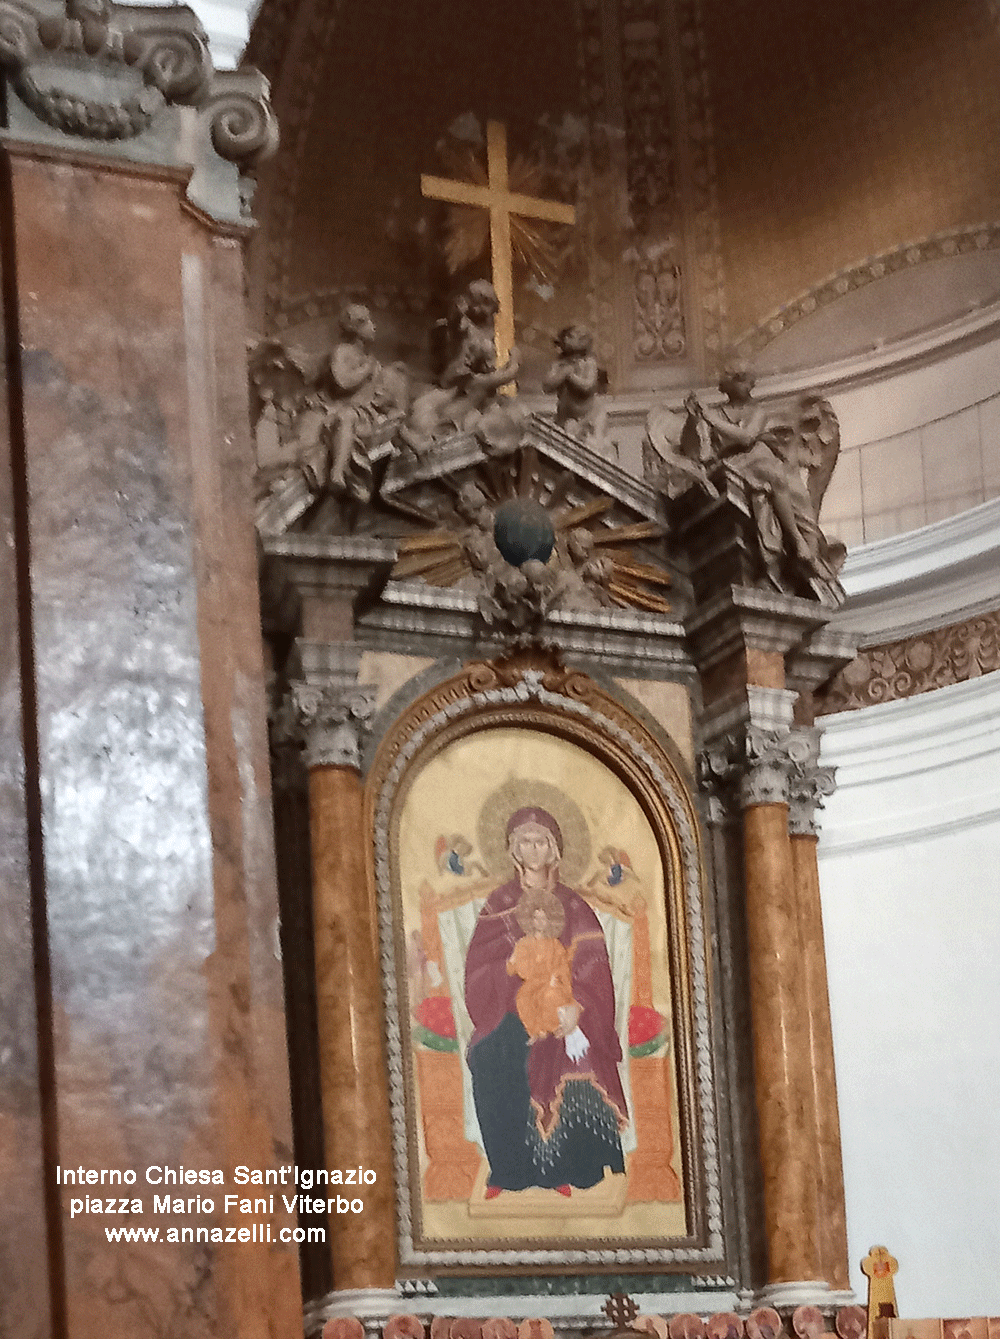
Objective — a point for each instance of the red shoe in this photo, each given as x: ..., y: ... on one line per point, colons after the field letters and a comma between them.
x: 491, y: 1192
x: 564, y: 1190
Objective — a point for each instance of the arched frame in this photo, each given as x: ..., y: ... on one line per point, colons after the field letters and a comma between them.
x: 560, y: 704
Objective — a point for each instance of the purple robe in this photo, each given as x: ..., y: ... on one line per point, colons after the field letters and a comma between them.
x: 490, y: 995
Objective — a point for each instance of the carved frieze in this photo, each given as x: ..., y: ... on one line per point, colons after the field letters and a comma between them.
x: 895, y: 670
x: 941, y: 246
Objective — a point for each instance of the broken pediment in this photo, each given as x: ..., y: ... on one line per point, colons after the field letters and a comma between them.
x: 551, y: 528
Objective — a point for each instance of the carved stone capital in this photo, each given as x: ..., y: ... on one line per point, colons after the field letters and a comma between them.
x: 810, y: 783
x: 102, y: 76
x: 336, y: 720
x: 242, y: 126
x: 757, y: 765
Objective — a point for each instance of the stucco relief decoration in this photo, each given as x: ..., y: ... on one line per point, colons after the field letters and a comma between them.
x: 948, y: 655
x: 475, y: 489
x: 147, y: 59
x: 653, y: 192
x: 524, y: 560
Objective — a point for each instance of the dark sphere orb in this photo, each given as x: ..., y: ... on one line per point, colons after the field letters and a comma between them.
x: 522, y: 529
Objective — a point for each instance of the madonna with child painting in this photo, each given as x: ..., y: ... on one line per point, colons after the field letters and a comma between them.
x: 544, y: 1055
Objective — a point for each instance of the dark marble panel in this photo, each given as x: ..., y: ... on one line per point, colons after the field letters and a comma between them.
x: 24, y: 1298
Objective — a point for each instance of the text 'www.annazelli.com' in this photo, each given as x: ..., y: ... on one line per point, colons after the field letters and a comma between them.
x: 255, y: 1232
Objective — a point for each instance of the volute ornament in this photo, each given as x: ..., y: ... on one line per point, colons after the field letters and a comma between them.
x: 757, y: 765
x: 145, y: 59
x: 336, y: 721
x: 242, y: 127
x: 148, y: 57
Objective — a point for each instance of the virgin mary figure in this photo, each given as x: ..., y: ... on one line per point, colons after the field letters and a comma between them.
x: 549, y: 1102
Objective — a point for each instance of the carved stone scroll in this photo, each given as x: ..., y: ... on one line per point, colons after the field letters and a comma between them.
x: 336, y: 720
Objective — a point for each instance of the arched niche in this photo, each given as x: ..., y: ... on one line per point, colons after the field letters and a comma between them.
x: 499, y: 737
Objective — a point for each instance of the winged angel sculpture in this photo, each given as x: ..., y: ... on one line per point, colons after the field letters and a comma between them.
x: 784, y: 461
x: 327, y: 419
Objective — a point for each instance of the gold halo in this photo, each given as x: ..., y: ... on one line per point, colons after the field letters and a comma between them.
x: 515, y: 794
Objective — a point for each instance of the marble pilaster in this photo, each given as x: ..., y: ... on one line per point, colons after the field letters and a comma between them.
x: 336, y: 716
x: 154, y: 905
x: 26, y: 1307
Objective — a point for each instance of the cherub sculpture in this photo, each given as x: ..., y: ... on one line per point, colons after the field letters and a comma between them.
x: 575, y: 378
x: 466, y: 397
x: 321, y: 419
x: 785, y: 459
x: 360, y: 393
x: 584, y: 575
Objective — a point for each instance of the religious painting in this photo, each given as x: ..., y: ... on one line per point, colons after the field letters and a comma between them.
x: 543, y: 1004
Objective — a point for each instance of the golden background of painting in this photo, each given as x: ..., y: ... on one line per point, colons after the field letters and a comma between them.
x: 446, y: 798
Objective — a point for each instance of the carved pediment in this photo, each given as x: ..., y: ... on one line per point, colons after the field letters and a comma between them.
x: 460, y: 517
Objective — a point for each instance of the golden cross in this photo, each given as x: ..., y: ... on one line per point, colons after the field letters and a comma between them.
x: 497, y: 197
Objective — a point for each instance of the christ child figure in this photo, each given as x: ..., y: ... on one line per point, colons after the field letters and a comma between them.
x: 543, y: 963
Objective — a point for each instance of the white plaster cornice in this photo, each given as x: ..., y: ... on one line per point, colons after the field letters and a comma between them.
x: 913, y: 769
x: 927, y: 578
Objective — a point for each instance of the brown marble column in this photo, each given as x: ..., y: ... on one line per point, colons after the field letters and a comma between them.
x: 808, y: 786
x: 780, y: 1014
x: 28, y: 1233
x: 349, y: 991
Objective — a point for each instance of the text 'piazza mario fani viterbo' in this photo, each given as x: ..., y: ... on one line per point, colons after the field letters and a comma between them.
x: 122, y: 1190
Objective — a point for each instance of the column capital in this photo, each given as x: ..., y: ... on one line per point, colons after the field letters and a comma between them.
x: 765, y: 765
x: 810, y: 784
x: 136, y: 85
x: 336, y: 719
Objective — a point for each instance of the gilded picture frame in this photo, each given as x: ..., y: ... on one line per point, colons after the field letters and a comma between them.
x: 624, y: 980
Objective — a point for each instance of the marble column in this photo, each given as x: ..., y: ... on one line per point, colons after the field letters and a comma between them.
x: 353, y: 1065
x: 753, y: 765
x: 151, y: 1020
x: 809, y: 784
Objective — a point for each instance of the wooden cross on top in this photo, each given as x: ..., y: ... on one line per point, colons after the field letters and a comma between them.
x: 501, y: 202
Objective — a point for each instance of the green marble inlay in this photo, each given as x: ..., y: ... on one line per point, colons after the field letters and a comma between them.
x: 564, y: 1285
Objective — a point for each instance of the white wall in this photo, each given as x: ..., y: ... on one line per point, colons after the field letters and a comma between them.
x: 910, y: 873
x: 227, y: 23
